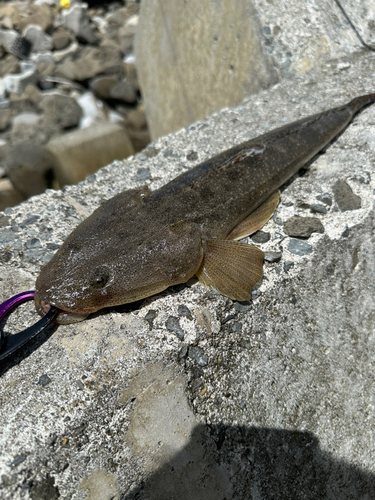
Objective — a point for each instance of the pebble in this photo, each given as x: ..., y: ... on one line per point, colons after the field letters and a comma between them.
x: 325, y: 198
x: 197, y: 354
x: 345, y: 198
x: 303, y: 227
x: 173, y: 326
x: 299, y: 247
x: 39, y: 40
x: 318, y: 209
x: 288, y: 265
x: 260, y: 237
x: 143, y: 174
x: 184, y: 311
x: 150, y: 316
x: 272, y: 256
x: 44, y: 380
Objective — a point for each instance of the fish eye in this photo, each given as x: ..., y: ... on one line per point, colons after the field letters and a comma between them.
x: 100, y: 278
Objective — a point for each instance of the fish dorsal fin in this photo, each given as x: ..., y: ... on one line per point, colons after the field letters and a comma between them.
x: 230, y: 267
x: 257, y: 219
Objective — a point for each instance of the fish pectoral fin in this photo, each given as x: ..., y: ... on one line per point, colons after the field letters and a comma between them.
x: 230, y: 267
x: 257, y: 219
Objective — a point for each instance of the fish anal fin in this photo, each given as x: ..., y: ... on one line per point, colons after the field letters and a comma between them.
x: 257, y: 219
x: 231, y: 267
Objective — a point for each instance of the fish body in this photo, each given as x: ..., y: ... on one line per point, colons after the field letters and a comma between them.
x: 139, y: 242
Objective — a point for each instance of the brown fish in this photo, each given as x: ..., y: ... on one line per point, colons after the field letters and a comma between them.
x: 139, y: 242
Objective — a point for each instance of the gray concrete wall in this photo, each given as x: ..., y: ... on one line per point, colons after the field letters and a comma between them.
x: 190, y: 395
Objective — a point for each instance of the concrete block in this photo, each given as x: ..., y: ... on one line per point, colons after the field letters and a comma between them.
x: 82, y: 152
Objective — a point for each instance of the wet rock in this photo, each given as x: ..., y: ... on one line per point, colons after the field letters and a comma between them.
x: 61, y: 38
x: 29, y: 168
x: 9, y: 64
x: 39, y: 40
x: 345, y: 198
x: 303, y: 227
x: 325, y: 198
x: 260, y: 237
x: 299, y: 247
x: 42, y: 17
x: 318, y: 209
x: 5, y: 116
x: 173, y: 326
x: 101, y: 85
x: 61, y: 110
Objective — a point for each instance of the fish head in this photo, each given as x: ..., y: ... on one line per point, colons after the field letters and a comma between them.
x: 93, y: 270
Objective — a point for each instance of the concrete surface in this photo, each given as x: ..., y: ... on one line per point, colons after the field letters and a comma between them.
x: 188, y: 394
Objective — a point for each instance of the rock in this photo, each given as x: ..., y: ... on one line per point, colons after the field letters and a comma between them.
x: 198, y: 355
x: 131, y: 74
x: 45, y: 68
x: 42, y: 17
x: 9, y: 64
x: 345, y: 198
x: 299, y: 247
x: 92, y: 111
x: 303, y: 227
x: 11, y: 13
x: 123, y: 91
x: 29, y: 168
x: 9, y: 196
x: 70, y: 50
x: 31, y: 127
x: 167, y: 58
x: 61, y: 110
x: 61, y: 38
x: 272, y: 256
x: 91, y: 62
x: 260, y: 237
x: 14, y: 43
x: 288, y: 265
x: 80, y: 153
x: 5, y: 116
x: 77, y: 21
x: 316, y: 208
x: 325, y: 198
x: 173, y: 326
x: 18, y: 82
x: 39, y: 40
x: 101, y: 85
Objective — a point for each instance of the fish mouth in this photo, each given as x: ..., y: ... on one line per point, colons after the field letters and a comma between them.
x: 63, y: 317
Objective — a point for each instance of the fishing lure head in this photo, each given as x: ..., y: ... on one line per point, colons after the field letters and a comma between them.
x: 103, y: 264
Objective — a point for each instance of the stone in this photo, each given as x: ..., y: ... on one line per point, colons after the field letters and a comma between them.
x: 123, y: 91
x: 61, y: 110
x: 80, y: 153
x: 131, y: 74
x: 15, y: 44
x: 173, y: 326
x: 29, y: 168
x: 260, y: 237
x: 9, y: 196
x: 272, y: 256
x: 39, y: 40
x: 18, y: 82
x: 42, y: 17
x: 5, y: 116
x: 61, y: 38
x: 303, y: 227
x: 91, y: 62
x: 325, y: 198
x: 345, y: 198
x: 101, y: 85
x: 9, y: 64
x: 299, y: 247
x: 71, y: 50
x: 166, y: 47
x: 11, y: 12
x: 316, y: 208
x: 29, y: 126
x: 92, y: 111
x: 77, y: 21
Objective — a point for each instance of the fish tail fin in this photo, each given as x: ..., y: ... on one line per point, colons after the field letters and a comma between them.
x: 360, y: 102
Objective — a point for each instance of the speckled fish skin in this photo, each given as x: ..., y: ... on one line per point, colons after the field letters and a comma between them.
x: 139, y: 242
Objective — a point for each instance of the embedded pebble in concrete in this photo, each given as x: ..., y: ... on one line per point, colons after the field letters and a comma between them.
x: 197, y: 354
x: 272, y: 256
x: 325, y: 198
x: 260, y: 237
x: 184, y: 311
x: 345, y: 198
x: 173, y: 326
x: 318, y: 209
x: 299, y: 247
x: 288, y: 265
x: 303, y: 227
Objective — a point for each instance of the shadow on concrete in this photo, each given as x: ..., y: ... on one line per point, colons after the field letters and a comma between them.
x: 240, y: 463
